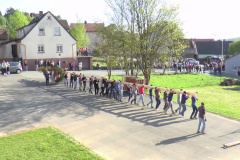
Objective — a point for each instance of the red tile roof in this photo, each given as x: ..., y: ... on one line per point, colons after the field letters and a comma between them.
x: 90, y: 27
x: 3, y: 34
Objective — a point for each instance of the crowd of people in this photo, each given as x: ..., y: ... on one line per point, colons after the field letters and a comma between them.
x: 114, y: 89
x: 186, y: 66
x: 5, y: 68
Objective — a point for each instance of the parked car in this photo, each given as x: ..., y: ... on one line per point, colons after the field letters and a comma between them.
x: 215, y: 60
x: 192, y: 61
x: 15, y: 67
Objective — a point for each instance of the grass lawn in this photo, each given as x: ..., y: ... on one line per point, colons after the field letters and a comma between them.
x: 100, y: 60
x: 223, y: 100
x: 45, y: 143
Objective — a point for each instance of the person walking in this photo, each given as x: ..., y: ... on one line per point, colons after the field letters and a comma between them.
x: 102, y: 81
x: 121, y: 91
x: 165, y: 95
x: 84, y: 80
x: 134, y: 91
x: 117, y: 89
x: 202, y: 118
x: 90, y: 84
x: 96, y: 85
x: 80, y: 81
x: 151, y: 96
x: 71, y: 80
x: 169, y: 101
x: 26, y: 65
x: 47, y: 77
x: 129, y: 92
x: 183, y: 102
x: 194, y: 107
x: 141, y: 92
x: 112, y: 87
x: 66, y: 78
x: 179, y: 98
x: 75, y: 80
x: 52, y: 76
x: 157, y: 97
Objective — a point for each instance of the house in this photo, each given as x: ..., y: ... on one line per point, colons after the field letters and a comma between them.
x: 91, y: 30
x: 212, y: 48
x: 191, y: 51
x: 44, y: 38
x: 3, y: 35
x: 232, y: 65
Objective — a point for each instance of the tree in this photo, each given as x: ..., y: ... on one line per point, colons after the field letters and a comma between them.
x: 15, y: 21
x: 3, y: 22
x: 9, y: 11
x: 109, y: 46
x: 155, y: 26
x: 79, y: 33
x: 234, y: 47
x: 28, y: 16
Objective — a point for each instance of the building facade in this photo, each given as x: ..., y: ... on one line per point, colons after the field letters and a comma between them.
x: 232, y: 65
x: 45, y: 38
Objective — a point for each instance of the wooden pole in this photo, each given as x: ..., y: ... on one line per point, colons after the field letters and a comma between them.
x: 162, y: 89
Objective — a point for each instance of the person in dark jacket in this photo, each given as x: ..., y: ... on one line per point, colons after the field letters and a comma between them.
x: 47, y: 74
x: 202, y: 118
x: 183, y: 102
x: 169, y: 101
x: 96, y: 85
x: 194, y: 107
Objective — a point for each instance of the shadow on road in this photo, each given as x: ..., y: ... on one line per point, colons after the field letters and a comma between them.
x: 178, y: 139
x: 34, y: 101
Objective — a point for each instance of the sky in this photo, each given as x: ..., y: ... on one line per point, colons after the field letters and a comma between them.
x: 217, y: 19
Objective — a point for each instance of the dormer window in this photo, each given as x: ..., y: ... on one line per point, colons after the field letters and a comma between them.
x: 57, y: 31
x: 41, y: 31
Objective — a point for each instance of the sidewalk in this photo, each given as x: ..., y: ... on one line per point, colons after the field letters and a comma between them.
x: 115, y: 130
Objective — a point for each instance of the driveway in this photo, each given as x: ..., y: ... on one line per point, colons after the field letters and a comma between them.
x: 115, y: 130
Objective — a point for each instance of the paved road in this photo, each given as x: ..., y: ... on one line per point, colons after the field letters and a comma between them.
x: 115, y: 130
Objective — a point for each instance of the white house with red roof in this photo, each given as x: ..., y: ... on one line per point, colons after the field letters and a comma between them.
x: 44, y: 38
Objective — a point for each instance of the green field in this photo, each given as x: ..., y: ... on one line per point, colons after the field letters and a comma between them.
x: 223, y: 100
x: 45, y: 143
x: 99, y: 60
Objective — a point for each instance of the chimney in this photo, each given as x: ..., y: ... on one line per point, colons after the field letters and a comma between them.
x: 85, y: 22
x: 40, y: 13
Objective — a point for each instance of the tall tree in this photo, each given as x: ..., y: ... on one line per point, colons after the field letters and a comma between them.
x: 79, y: 33
x: 109, y: 46
x: 154, y: 24
x: 3, y: 22
x: 15, y: 21
x: 234, y: 47
x: 9, y: 11
x: 28, y: 16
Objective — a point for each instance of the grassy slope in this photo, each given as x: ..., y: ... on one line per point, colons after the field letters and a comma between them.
x: 218, y: 99
x: 45, y: 143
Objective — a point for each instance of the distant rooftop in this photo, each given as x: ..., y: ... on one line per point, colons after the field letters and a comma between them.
x: 90, y: 27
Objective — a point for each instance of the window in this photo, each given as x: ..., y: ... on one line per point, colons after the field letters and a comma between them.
x: 59, y: 48
x: 41, y: 31
x: 57, y: 31
x: 41, y: 48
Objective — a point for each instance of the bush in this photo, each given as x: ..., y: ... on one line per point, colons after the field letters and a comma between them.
x: 230, y: 82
